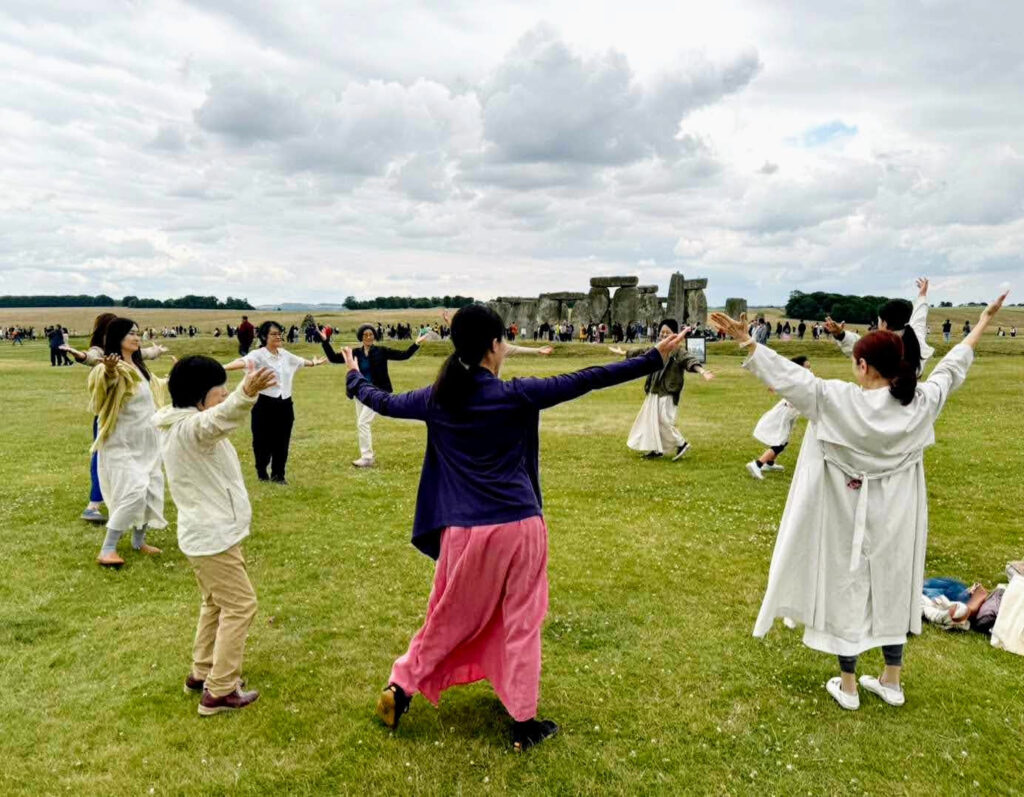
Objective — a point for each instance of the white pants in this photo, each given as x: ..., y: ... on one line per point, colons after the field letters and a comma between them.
x: 364, y: 417
x: 655, y: 426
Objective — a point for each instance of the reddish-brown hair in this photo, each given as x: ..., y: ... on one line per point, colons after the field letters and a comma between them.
x: 883, y: 350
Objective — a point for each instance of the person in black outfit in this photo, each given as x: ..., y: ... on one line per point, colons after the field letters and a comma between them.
x: 373, y: 364
x: 56, y: 338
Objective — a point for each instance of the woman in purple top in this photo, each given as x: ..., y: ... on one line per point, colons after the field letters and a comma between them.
x: 478, y: 512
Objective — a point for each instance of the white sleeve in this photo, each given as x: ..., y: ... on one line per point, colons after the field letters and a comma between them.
x: 947, y: 376
x: 299, y: 362
x: 793, y: 382
x: 211, y: 425
x: 919, y: 323
x: 847, y: 343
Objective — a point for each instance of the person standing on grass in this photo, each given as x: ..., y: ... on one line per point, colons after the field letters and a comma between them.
x: 124, y: 396
x: 478, y: 513
x: 947, y: 329
x: 213, y: 518
x: 92, y: 357
x: 849, y: 558
x: 274, y: 414
x: 246, y: 333
x: 654, y: 431
x: 373, y: 365
x: 910, y: 321
x: 774, y: 430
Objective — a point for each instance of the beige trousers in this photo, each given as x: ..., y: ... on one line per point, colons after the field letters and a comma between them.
x: 229, y: 604
x: 364, y: 417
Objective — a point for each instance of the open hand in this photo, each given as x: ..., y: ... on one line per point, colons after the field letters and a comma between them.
x: 832, y: 328
x: 421, y: 338
x: 922, y: 286
x: 545, y: 350
x: 256, y: 381
x: 670, y: 344
x: 110, y: 363
x: 350, y: 359
x: 707, y: 376
x: 735, y: 329
x: 320, y: 334
x: 318, y: 361
x: 992, y: 309
x: 161, y: 349
x: 616, y: 350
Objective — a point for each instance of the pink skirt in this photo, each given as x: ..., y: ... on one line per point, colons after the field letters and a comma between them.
x: 484, y: 617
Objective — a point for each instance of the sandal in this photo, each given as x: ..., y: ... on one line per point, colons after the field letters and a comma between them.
x: 392, y: 704
x: 531, y: 733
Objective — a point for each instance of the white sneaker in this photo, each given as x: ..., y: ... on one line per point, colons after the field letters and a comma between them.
x: 773, y: 466
x: 754, y: 470
x: 364, y: 462
x: 893, y: 695
x: 834, y: 686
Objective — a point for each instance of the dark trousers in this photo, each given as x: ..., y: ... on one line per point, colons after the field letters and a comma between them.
x: 55, y: 358
x: 893, y: 655
x: 243, y: 347
x: 272, y: 420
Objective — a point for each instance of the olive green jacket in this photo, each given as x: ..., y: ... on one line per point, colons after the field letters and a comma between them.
x: 669, y: 380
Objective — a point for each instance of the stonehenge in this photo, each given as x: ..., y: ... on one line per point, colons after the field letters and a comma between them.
x: 610, y: 300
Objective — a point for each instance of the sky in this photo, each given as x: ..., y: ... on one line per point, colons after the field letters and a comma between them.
x: 305, y: 151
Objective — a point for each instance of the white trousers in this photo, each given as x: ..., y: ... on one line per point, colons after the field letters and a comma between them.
x: 364, y: 417
x: 655, y: 426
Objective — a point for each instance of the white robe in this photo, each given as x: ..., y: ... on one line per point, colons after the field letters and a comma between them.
x: 129, y: 466
x: 655, y: 426
x: 849, y: 558
x: 776, y: 425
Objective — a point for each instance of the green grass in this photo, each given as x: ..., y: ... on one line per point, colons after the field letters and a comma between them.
x: 657, y: 571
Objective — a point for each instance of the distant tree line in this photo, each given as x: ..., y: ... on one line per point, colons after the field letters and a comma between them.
x: 842, y: 307
x: 190, y: 302
x: 406, y: 302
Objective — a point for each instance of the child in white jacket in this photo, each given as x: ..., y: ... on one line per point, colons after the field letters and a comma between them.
x: 213, y: 518
x: 774, y: 430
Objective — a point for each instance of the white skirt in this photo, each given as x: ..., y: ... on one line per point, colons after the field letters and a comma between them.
x: 655, y: 426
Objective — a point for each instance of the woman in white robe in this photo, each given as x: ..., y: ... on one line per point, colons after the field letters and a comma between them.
x: 129, y: 462
x: 849, y: 558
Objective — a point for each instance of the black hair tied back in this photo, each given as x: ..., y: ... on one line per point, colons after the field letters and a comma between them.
x: 475, y: 327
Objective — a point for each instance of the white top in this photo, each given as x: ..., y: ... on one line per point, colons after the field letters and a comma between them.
x: 204, y: 474
x: 849, y: 557
x: 284, y: 364
x: 776, y: 425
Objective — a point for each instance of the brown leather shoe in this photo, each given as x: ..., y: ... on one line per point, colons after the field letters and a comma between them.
x: 110, y: 560
x: 195, y: 685
x: 152, y: 550
x: 210, y: 705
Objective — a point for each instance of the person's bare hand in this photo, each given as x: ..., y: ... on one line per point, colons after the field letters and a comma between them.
x: 320, y: 334
x: 922, y: 286
x: 350, y: 359
x: 735, y: 329
x: 545, y: 350
x: 833, y: 328
x: 160, y: 349
x: 318, y: 361
x: 256, y: 381
x: 707, y: 376
x: 421, y: 338
x: 668, y: 345
x: 990, y: 311
x: 110, y: 363
x: 616, y: 350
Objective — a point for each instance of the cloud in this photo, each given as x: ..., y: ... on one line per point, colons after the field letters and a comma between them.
x: 250, y: 108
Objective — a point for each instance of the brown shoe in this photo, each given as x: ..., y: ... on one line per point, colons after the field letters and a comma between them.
x: 110, y: 560
x: 210, y: 705
x: 152, y: 550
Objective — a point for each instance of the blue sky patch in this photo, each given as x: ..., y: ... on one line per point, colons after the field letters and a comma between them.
x: 823, y: 134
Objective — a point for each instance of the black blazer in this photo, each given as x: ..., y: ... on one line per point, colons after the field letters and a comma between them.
x: 378, y: 358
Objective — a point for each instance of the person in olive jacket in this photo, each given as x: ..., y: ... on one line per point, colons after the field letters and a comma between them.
x: 654, y: 432
x: 373, y: 364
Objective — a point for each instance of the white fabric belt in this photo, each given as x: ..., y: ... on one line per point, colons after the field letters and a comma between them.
x: 860, y: 517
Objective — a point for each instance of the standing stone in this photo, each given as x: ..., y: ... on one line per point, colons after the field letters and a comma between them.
x: 625, y: 305
x: 734, y: 308
x: 546, y: 311
x: 649, y: 308
x: 593, y: 309
x: 696, y: 308
x: 503, y: 309
x: 614, y: 282
x: 676, y: 305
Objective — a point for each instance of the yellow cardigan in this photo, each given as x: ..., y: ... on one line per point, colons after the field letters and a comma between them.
x: 108, y: 394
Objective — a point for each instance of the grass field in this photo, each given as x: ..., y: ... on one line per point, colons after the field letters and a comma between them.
x: 656, y: 568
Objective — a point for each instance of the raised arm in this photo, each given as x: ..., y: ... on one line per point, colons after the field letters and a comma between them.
x: 791, y: 381
x: 411, y: 405
x: 511, y: 350
x: 331, y: 355
x: 153, y: 352
x: 845, y: 340
x: 395, y: 354
x: 236, y: 365
x: 548, y: 391
x: 213, y: 424
x: 919, y: 318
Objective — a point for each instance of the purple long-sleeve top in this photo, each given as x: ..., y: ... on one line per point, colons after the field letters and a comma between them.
x: 482, y: 465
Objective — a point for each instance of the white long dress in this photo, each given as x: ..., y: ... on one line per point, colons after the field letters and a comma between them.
x: 129, y: 466
x: 849, y: 558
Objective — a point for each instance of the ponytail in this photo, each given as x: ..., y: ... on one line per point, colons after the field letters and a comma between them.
x: 884, y: 351
x: 912, y: 349
x: 474, y: 329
